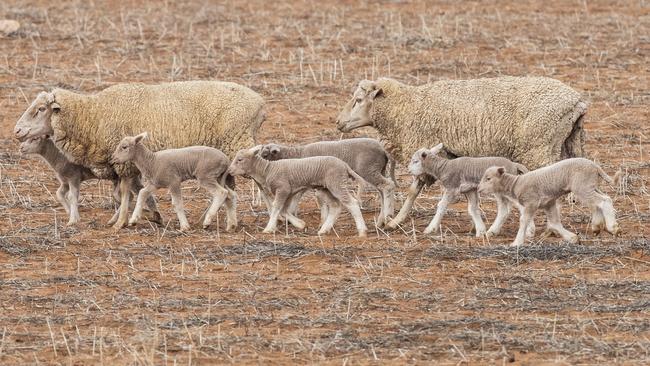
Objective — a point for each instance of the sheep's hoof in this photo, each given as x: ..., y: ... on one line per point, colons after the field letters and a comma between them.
x: 596, y: 230
x: 480, y: 233
x: 72, y: 223
x: 323, y: 232
x: 616, y: 231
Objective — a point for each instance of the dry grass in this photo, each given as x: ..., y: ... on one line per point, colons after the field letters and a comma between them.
x: 152, y: 295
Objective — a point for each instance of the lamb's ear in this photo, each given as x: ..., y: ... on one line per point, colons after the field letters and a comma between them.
x: 376, y: 92
x: 436, y: 149
x: 141, y: 137
x: 424, y: 154
x: 501, y: 170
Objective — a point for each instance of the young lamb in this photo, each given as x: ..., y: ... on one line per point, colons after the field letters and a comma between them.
x: 541, y: 188
x: 70, y: 176
x: 532, y: 120
x: 367, y: 157
x: 462, y: 176
x: 283, y: 179
x: 169, y: 168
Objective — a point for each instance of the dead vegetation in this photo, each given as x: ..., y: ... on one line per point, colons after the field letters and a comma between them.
x: 153, y: 295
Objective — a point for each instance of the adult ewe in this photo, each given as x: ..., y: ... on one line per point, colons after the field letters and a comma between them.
x: 531, y: 120
x: 88, y: 127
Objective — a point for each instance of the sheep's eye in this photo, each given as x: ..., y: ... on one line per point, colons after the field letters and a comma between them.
x: 124, y: 147
x: 41, y: 109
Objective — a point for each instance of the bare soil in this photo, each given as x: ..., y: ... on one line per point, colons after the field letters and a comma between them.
x: 153, y: 295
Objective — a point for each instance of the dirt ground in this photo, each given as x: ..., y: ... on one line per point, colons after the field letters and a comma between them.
x: 153, y: 295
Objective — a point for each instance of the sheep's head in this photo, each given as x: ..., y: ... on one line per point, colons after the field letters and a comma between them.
x: 416, y: 166
x: 33, y: 145
x: 125, y: 150
x: 244, y: 161
x: 271, y: 151
x: 358, y: 111
x: 491, y: 182
x: 37, y: 119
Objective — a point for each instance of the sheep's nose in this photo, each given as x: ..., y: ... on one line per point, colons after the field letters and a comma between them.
x: 20, y: 132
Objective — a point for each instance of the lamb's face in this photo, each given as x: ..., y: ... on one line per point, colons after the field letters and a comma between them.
x: 124, y: 151
x: 36, y: 121
x: 270, y: 152
x: 242, y: 164
x: 415, y: 166
x: 32, y: 145
x: 357, y: 112
x: 491, y: 182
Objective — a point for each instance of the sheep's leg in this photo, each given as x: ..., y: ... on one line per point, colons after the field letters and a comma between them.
x: 61, y: 196
x: 475, y: 214
x: 276, y: 208
x: 116, y: 199
x: 177, y: 202
x: 333, y: 212
x: 413, y: 192
x: 231, y: 210
x: 125, y: 191
x: 74, y: 202
x: 219, y: 196
x: 143, y: 196
x: 527, y: 215
x: 555, y: 224
x: 440, y: 212
x: 503, y: 210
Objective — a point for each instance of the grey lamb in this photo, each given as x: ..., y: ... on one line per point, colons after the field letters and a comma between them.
x: 541, y: 188
x: 283, y: 179
x: 169, y: 168
x: 461, y: 176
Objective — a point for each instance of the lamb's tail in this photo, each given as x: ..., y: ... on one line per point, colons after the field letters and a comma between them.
x: 611, y: 181
x: 360, y: 181
x: 227, y: 180
x: 521, y: 169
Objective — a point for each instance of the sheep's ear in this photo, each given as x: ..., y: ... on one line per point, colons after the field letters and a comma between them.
x: 275, y: 150
x: 501, y: 170
x: 423, y: 154
x: 141, y: 137
x: 436, y: 149
x: 256, y: 149
x: 55, y: 107
x: 376, y: 93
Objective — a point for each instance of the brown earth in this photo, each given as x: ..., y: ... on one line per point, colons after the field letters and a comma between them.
x: 152, y: 295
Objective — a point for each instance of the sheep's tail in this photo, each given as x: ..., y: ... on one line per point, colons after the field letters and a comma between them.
x: 573, y: 146
x: 611, y: 181
x: 228, y: 181
x: 521, y: 169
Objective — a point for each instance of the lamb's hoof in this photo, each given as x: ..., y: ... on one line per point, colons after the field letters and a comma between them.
x: 575, y: 239
x: 491, y: 234
x: 111, y: 222
x: 363, y: 234
x: 616, y: 231
x: 133, y: 222
x: 323, y: 232
x: 268, y: 231
x: 119, y: 225
x: 185, y: 228
x: 391, y: 225
x: 429, y: 230
x: 515, y: 244
x: 596, y: 230
x: 299, y: 224
x: 205, y: 227
x: 72, y: 223
x: 480, y: 233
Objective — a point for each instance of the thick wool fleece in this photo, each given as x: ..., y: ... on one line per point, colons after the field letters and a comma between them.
x: 533, y: 120
x: 218, y: 114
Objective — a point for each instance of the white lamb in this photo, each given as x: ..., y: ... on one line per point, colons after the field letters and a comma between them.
x: 541, y: 188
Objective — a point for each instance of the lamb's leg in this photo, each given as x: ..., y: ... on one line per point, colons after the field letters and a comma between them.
x: 296, y: 222
x: 292, y: 209
x: 555, y: 224
x: 143, y: 195
x: 503, y: 210
x: 447, y: 197
x: 358, y: 195
x: 597, y: 220
x: 276, y: 208
x: 475, y: 214
x: 333, y: 212
x: 177, y: 202
x: 74, y: 201
x: 61, y: 196
x: 152, y: 207
x: 530, y: 229
x: 386, y: 189
x: 219, y: 195
x: 351, y: 204
x: 527, y: 215
x: 324, y: 202
x: 413, y: 192
x: 125, y: 191
x: 231, y: 210
x: 607, y: 209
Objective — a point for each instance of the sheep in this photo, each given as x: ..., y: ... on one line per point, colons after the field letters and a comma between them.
x: 70, y: 176
x: 169, y: 168
x: 531, y: 120
x: 462, y: 176
x: 367, y: 157
x: 541, y: 188
x: 283, y: 179
x: 87, y: 128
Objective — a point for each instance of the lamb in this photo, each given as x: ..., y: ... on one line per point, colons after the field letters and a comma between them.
x: 541, y: 188
x: 367, y: 157
x: 531, y: 120
x: 169, y: 168
x: 70, y: 176
x: 87, y: 128
x: 283, y: 179
x: 462, y: 176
